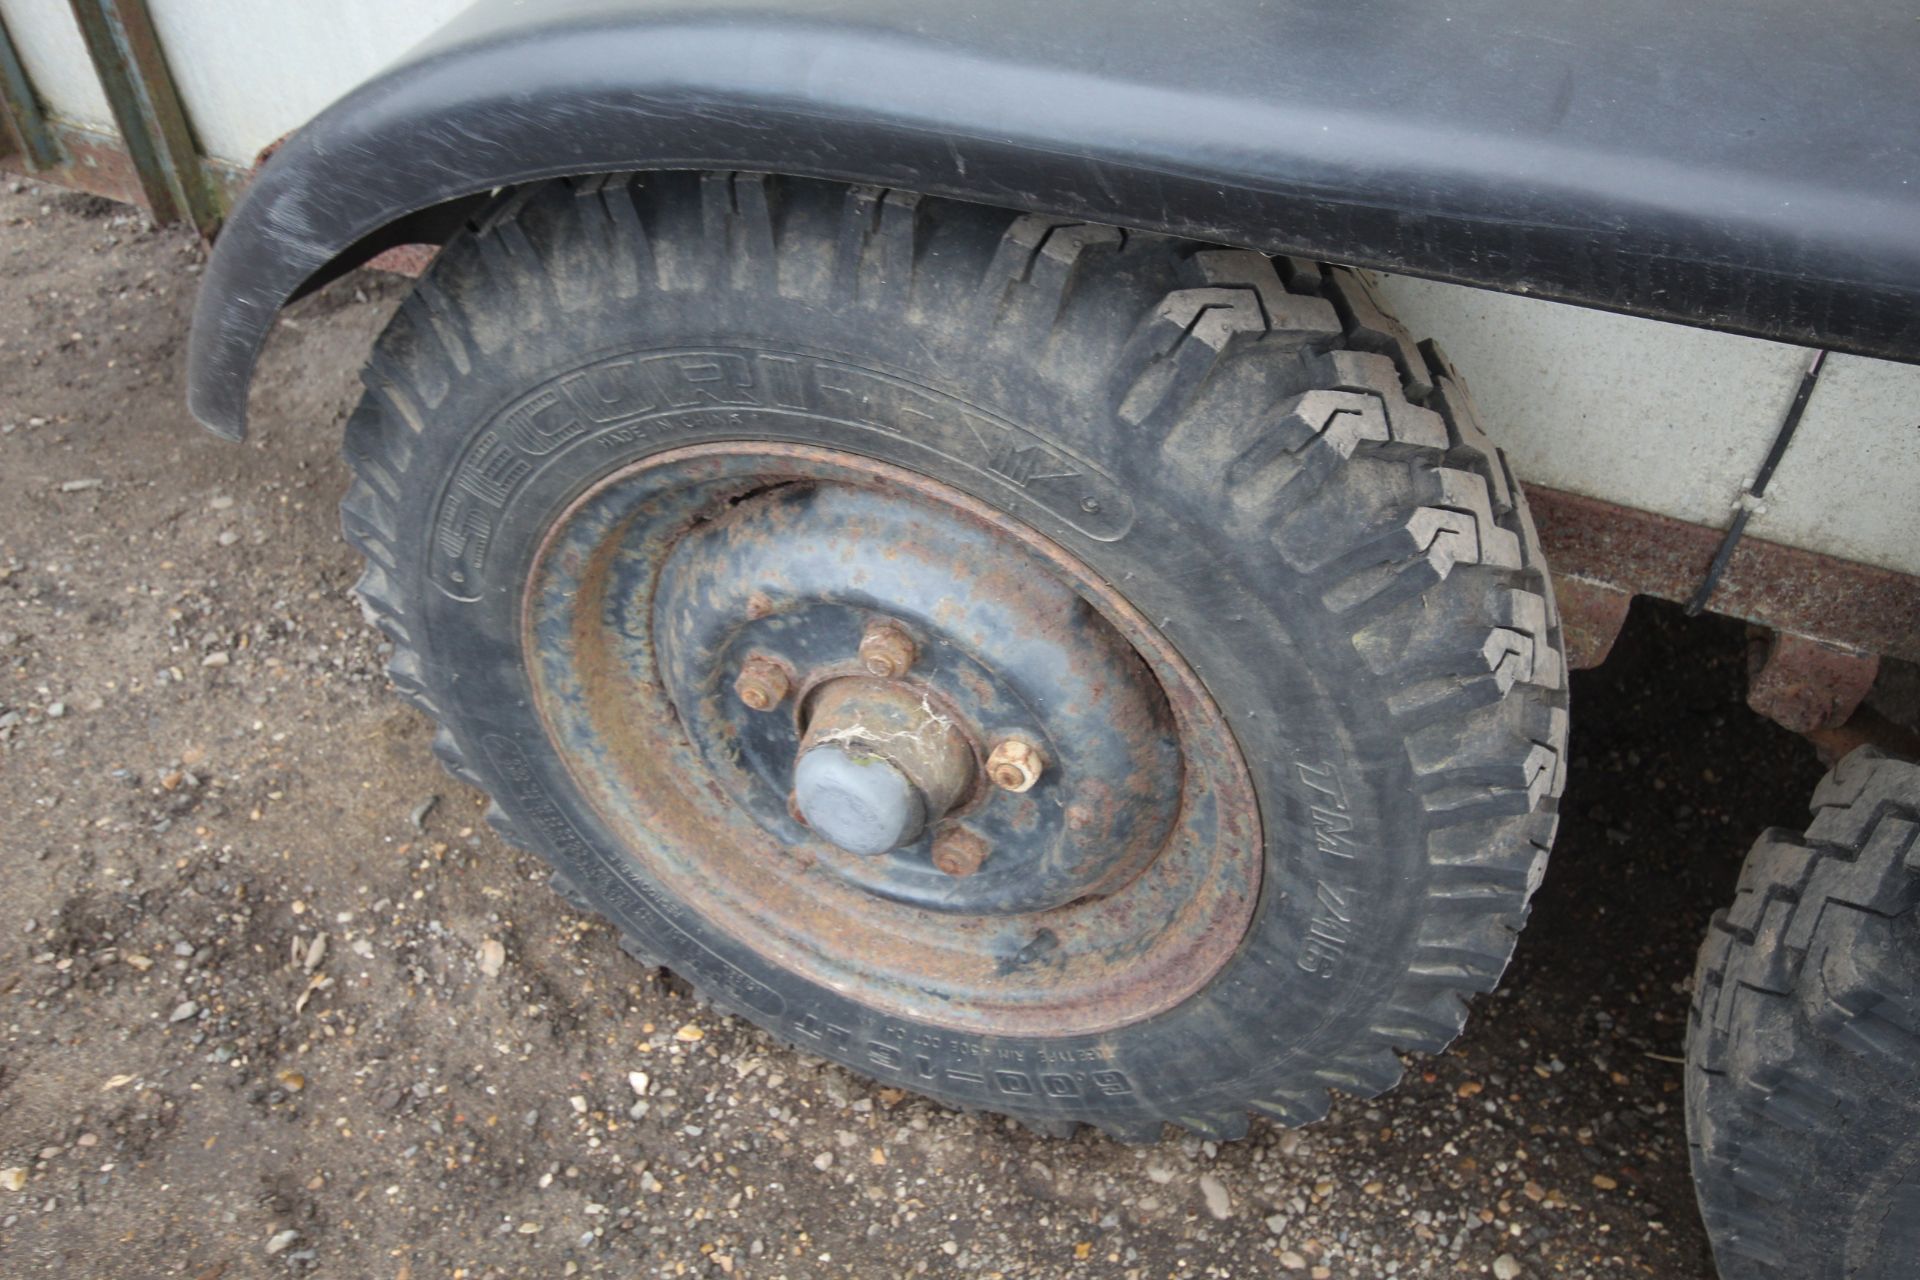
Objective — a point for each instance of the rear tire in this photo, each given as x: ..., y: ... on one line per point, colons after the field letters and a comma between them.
x: 1803, y: 1058
x: 1287, y: 489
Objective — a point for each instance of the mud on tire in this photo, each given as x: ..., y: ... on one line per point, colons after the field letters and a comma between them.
x: 1315, y: 521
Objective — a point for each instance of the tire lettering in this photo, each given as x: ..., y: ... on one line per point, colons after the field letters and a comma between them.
x: 1330, y: 927
x: 648, y: 399
x: 1014, y: 1082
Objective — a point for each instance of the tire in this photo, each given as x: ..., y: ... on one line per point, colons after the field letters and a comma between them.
x: 1296, y: 496
x: 1803, y: 1056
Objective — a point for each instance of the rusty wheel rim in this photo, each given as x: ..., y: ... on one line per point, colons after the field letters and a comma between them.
x: 694, y: 621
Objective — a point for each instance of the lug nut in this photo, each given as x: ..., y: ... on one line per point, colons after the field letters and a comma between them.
x: 763, y: 684
x: 959, y: 852
x: 1015, y: 764
x: 886, y: 651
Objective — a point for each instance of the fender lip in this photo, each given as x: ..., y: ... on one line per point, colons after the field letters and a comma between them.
x: 950, y: 104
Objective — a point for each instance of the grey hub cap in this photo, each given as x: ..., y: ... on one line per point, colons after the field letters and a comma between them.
x: 878, y: 762
x: 857, y: 800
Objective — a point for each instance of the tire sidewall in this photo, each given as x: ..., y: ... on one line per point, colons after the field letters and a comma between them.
x: 1331, y: 930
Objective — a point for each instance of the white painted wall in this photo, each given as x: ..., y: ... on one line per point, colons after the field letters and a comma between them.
x: 249, y: 71
x: 48, y: 41
x: 1677, y: 420
x: 1850, y: 485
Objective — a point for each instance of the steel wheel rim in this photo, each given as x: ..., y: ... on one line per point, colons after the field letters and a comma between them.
x: 604, y: 675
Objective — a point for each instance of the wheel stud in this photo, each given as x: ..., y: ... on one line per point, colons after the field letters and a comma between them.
x: 886, y: 651
x: 763, y: 684
x: 1015, y: 764
x: 959, y: 852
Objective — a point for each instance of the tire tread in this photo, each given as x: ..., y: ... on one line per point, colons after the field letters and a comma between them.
x: 1801, y: 1049
x: 1378, y: 485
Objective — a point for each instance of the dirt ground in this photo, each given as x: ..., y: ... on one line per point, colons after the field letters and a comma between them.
x: 274, y: 1001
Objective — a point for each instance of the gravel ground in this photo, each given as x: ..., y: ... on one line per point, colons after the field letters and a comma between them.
x: 273, y: 1001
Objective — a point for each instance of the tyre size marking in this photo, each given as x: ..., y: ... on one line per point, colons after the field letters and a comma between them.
x: 1328, y: 934
x: 661, y: 398
x: 1330, y: 926
x: 620, y: 891
x: 1332, y: 824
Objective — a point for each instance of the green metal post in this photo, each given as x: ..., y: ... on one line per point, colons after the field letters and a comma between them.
x: 126, y: 55
x: 22, y: 109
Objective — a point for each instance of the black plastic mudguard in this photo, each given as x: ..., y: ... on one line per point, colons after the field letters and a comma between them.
x: 1747, y: 165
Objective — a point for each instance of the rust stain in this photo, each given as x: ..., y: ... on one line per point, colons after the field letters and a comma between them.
x: 1591, y: 615
x: 1841, y: 602
x: 1805, y: 685
x: 409, y: 260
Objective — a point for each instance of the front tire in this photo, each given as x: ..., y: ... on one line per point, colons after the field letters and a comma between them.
x: 1278, y: 530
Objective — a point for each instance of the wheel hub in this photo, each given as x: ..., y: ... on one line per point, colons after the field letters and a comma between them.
x: 877, y: 764
x: 859, y: 801
x: 990, y: 670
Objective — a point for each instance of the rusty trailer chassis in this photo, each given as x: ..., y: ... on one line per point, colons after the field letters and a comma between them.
x: 1825, y: 623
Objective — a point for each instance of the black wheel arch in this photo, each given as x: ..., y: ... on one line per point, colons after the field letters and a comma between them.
x: 1290, y: 128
